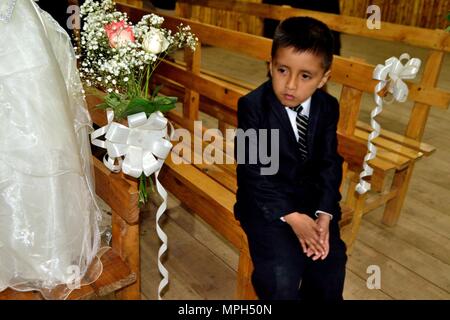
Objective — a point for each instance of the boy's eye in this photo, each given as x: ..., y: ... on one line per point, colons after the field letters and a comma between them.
x: 282, y: 70
x: 305, y: 76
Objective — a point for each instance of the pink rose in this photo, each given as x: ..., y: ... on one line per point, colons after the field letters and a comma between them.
x: 119, y: 34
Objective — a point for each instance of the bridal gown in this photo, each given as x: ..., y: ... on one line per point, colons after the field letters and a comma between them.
x: 49, y: 234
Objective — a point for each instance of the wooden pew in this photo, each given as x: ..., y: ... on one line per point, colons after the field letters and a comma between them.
x: 436, y: 41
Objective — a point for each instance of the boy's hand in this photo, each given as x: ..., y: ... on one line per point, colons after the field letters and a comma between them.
x: 307, y: 231
x: 323, y: 221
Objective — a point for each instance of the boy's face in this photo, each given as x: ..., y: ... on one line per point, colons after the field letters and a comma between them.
x: 296, y: 75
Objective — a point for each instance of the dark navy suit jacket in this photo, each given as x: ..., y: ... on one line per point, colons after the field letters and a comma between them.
x: 304, y: 186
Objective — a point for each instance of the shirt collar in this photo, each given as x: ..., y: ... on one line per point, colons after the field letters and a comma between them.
x: 306, y: 107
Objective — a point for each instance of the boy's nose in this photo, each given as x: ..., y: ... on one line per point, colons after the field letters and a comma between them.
x: 291, y: 83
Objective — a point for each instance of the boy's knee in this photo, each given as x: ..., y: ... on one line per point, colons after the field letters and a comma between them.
x: 279, y: 283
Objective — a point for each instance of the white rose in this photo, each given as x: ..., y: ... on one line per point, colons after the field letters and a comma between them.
x: 155, y: 42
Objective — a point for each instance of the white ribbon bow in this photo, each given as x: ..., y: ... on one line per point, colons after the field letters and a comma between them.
x: 144, y: 146
x: 391, y: 76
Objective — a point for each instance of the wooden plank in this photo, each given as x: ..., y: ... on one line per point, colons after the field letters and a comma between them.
x: 419, y: 114
x: 213, y: 89
x: 390, y: 145
x: 394, y: 206
x: 349, y: 103
x: 416, y: 235
x: 380, y: 199
x: 396, y: 280
x: 400, y: 251
x: 10, y: 294
x: 115, y: 276
x: 191, y: 97
x: 195, y: 269
x: 117, y: 191
x: 194, y: 190
x: 420, y: 37
x: 125, y: 241
x: 207, y: 105
x: 423, y: 147
x: 201, y: 231
x: 355, y: 288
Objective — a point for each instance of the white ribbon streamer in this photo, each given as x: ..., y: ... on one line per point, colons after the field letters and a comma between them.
x: 391, y: 76
x: 142, y: 147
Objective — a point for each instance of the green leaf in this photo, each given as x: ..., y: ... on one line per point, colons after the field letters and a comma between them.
x: 139, y: 104
x: 164, y: 100
x: 166, y: 107
x: 102, y: 105
x: 165, y: 104
x: 156, y: 91
x: 113, y: 100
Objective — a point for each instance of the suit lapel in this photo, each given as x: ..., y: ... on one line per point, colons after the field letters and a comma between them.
x: 280, y: 113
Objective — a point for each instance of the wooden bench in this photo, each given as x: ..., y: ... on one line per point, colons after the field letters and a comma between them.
x: 120, y: 263
x: 436, y: 41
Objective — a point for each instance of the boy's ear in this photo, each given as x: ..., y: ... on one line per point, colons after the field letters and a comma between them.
x: 270, y: 67
x: 325, y: 78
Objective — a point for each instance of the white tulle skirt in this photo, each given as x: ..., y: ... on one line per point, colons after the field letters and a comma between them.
x: 49, y: 234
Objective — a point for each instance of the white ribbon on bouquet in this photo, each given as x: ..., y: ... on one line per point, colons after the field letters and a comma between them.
x: 391, y: 76
x: 142, y: 147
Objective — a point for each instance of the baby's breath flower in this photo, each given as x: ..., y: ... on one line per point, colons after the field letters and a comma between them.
x: 114, y: 67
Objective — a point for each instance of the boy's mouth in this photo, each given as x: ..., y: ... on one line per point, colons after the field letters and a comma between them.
x: 289, y: 96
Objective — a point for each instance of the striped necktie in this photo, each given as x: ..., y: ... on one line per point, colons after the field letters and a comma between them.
x: 302, y: 127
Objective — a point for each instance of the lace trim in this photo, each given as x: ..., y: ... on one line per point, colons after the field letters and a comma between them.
x: 6, y: 13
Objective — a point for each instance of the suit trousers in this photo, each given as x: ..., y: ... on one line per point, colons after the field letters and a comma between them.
x: 283, y: 272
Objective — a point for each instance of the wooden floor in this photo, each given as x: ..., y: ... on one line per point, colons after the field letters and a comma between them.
x: 414, y: 256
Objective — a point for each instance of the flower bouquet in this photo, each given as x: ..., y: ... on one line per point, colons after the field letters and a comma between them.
x: 120, y: 59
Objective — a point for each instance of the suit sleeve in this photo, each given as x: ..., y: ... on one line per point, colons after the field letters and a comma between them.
x: 261, y: 190
x: 330, y: 165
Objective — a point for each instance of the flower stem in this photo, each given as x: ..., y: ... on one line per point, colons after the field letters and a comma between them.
x: 143, y: 195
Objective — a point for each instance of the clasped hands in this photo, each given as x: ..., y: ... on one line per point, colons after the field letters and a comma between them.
x: 313, y: 235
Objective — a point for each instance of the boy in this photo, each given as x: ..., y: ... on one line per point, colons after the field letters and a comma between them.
x: 291, y: 217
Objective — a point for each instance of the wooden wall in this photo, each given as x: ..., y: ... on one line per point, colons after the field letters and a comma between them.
x: 430, y: 14
x: 223, y: 18
x: 420, y: 13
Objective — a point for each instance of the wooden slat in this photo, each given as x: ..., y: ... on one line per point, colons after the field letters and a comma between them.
x: 116, y: 275
x: 117, y: 191
x: 420, y: 111
x: 214, y: 89
x: 349, y: 104
x: 125, y: 241
x: 210, y: 200
x: 390, y: 145
x: 425, y: 148
x: 420, y: 37
x: 191, y: 97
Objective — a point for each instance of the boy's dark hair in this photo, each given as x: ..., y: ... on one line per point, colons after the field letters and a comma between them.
x: 305, y: 34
